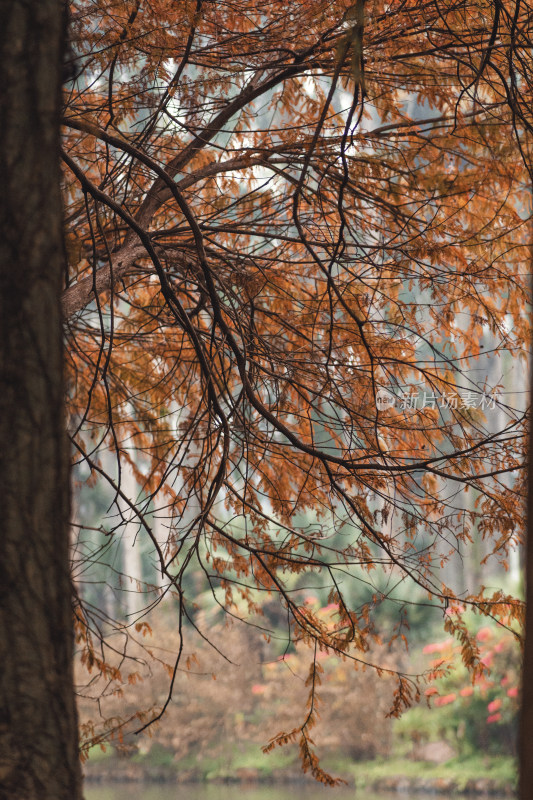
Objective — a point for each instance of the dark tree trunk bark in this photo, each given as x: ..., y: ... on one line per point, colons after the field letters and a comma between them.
x: 525, y: 745
x: 38, y: 723
x: 525, y: 739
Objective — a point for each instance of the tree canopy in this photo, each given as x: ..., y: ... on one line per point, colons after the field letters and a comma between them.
x: 298, y: 240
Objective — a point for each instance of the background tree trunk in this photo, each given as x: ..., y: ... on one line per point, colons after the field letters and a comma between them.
x: 38, y: 723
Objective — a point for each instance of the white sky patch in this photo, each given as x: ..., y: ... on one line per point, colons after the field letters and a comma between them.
x: 257, y: 178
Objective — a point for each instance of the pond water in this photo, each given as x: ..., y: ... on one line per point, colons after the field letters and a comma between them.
x: 143, y: 791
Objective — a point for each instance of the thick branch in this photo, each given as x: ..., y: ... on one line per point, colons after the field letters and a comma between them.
x: 76, y: 297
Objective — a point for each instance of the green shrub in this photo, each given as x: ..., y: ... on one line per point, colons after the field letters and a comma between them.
x: 473, y: 715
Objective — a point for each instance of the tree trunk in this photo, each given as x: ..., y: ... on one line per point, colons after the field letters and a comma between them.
x: 133, y: 600
x: 525, y: 739
x: 38, y: 723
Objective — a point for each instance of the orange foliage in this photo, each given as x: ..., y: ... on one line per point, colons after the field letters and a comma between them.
x: 292, y: 230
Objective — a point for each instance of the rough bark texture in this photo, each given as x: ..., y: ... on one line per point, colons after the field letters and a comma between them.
x: 38, y: 724
x: 525, y: 743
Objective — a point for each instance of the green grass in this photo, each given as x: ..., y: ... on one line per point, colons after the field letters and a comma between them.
x: 500, y: 769
x: 157, y: 757
x: 96, y: 753
x: 220, y: 767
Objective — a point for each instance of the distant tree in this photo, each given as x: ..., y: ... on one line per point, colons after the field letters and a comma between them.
x: 294, y: 230
x: 38, y: 723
